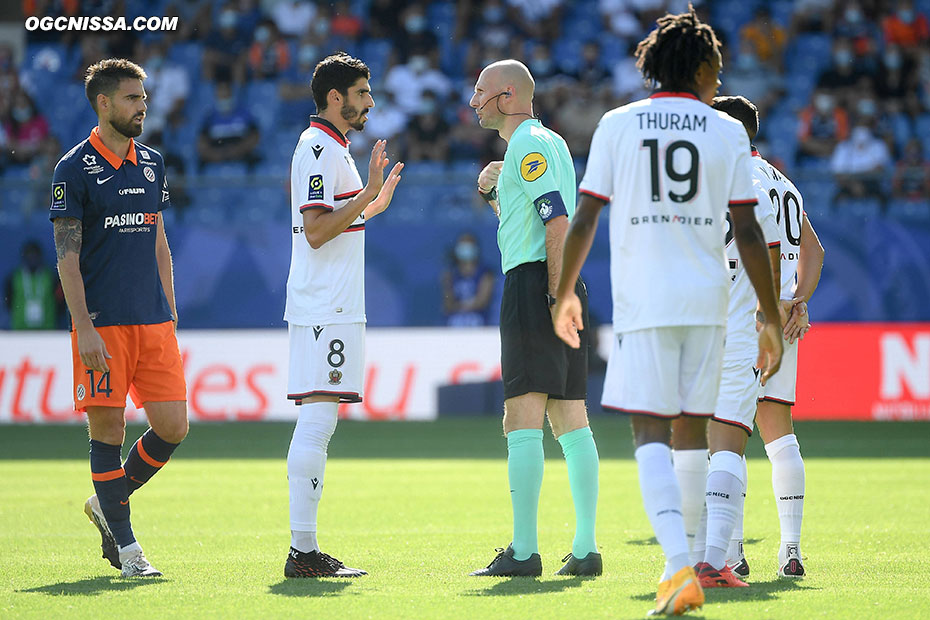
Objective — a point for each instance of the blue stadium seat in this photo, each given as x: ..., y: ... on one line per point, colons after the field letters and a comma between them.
x: 864, y: 209
x: 910, y: 210
x: 225, y: 170
x: 261, y: 98
x: 189, y: 56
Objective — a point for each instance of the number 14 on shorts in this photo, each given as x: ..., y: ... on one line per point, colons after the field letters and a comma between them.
x: 99, y: 385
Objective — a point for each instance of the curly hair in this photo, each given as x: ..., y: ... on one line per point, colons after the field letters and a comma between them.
x: 339, y: 71
x: 104, y: 77
x: 670, y: 55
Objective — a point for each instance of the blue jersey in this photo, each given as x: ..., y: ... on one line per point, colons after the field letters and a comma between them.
x: 118, y: 203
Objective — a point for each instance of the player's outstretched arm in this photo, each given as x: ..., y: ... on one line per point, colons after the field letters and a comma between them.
x: 755, y: 257
x: 810, y: 265
x: 566, y: 318
x: 69, y: 233
x: 321, y: 226
x: 165, y: 267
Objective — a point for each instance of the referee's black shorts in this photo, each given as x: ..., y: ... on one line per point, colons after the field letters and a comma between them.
x: 533, y: 358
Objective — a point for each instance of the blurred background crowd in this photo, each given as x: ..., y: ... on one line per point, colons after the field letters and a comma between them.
x: 843, y: 89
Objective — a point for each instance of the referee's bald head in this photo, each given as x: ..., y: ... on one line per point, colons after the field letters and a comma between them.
x: 104, y: 77
x: 511, y: 73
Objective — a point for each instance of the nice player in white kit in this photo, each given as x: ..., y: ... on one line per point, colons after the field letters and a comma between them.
x: 800, y: 267
x: 740, y: 387
x: 669, y: 166
x: 325, y: 307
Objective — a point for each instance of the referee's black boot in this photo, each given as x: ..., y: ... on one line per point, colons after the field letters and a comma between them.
x: 504, y: 565
x: 588, y: 566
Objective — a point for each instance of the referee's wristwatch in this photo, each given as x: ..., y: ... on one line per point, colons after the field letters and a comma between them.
x: 550, y: 299
x: 488, y: 195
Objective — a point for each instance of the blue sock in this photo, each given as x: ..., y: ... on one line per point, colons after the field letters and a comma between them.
x: 110, y: 484
x: 525, y: 468
x: 581, y: 458
x: 145, y: 458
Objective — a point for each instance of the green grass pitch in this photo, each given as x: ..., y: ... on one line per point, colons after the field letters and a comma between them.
x: 419, y: 505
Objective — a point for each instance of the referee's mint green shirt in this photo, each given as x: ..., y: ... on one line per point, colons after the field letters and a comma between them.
x: 537, y: 183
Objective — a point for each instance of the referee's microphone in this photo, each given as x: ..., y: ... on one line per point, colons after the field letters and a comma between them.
x: 493, y: 98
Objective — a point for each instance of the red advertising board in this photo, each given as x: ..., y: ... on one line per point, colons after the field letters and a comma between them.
x: 869, y: 371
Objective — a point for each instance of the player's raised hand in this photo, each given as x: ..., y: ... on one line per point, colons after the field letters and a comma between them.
x: 566, y: 319
x: 770, y: 350
x: 92, y: 349
x: 487, y: 179
x: 383, y: 199
x: 798, y: 323
x: 376, y: 166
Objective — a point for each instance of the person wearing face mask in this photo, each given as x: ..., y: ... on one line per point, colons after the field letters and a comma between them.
x: 467, y: 285
x: 229, y: 132
x: 428, y: 134
x: 414, y: 37
x: 859, y: 165
x: 906, y: 27
x: 25, y: 128
x: 894, y: 82
x: 766, y: 38
x: 823, y: 125
x: 843, y: 72
x: 269, y: 55
x: 224, y: 55
x: 33, y: 293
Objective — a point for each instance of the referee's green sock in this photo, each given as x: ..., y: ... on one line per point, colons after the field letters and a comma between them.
x: 581, y: 458
x: 525, y: 468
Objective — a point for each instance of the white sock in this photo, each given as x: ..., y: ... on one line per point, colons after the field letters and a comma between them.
x: 700, y: 539
x: 735, y: 552
x: 306, y: 463
x: 724, y: 493
x: 788, y: 484
x: 128, y: 551
x: 662, y: 501
x: 691, y: 471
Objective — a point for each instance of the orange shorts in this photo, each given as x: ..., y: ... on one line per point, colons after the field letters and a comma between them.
x: 145, y: 363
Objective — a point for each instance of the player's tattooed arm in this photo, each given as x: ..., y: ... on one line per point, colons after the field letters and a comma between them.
x: 68, y: 236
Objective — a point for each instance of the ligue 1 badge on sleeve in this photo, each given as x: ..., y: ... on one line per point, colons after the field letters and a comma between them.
x: 335, y: 377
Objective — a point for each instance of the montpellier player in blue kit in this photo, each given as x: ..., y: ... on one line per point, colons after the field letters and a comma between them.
x: 107, y: 196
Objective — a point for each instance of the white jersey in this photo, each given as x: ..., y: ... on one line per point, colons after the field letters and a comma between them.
x: 742, y: 340
x: 325, y: 286
x: 788, y: 206
x: 669, y: 165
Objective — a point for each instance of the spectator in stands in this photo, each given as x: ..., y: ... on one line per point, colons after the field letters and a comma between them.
x: 542, y: 65
x: 384, y: 18
x: 844, y: 72
x: 296, y: 99
x: 765, y: 39
x: 268, y: 57
x: 33, y: 292
x: 620, y: 18
x: 537, y: 19
x: 854, y: 23
x: 386, y: 121
x: 749, y: 76
x: 590, y: 69
x: 344, y: 23
x: 578, y: 109
x: 193, y: 21
x: 493, y: 29
x: 9, y: 79
x: 823, y: 125
x: 229, y: 132
x: 167, y: 87
x: 428, y: 133
x: 224, y: 56
x: 811, y: 16
x: 859, y: 165
x: 294, y: 17
x: 906, y: 27
x: 896, y: 78
x: 93, y: 48
x: 912, y: 174
x: 26, y: 130
x: 415, y: 39
x: 467, y: 286
x: 627, y: 80
x: 407, y: 82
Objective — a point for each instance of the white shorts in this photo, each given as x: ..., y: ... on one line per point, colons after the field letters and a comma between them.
x: 782, y: 386
x: 326, y: 360
x: 665, y: 371
x: 739, y: 392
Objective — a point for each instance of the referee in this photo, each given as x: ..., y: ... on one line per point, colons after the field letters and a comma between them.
x: 533, y: 193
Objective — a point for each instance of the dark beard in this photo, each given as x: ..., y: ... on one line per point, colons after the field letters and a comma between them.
x: 127, y: 128
x: 353, y: 116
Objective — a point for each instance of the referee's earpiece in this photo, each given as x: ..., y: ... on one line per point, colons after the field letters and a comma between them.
x: 507, y: 93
